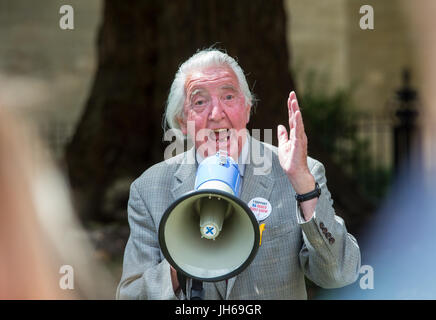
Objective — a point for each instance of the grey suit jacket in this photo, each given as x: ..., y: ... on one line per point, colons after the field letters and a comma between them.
x: 291, y: 248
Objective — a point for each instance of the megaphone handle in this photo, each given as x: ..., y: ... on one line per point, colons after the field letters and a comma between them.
x: 197, y: 292
x: 193, y: 289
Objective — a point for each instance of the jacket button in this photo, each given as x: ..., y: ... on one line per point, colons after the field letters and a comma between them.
x: 321, y: 225
x: 332, y: 240
x: 324, y: 230
x: 328, y: 235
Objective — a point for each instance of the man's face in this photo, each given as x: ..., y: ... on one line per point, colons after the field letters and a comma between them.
x: 215, y: 112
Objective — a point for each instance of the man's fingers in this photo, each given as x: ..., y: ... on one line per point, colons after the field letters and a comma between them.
x: 296, y: 125
x: 282, y: 134
x: 297, y: 117
x: 292, y: 114
x: 299, y: 125
x: 294, y: 103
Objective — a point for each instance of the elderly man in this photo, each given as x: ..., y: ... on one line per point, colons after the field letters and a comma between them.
x: 302, y: 236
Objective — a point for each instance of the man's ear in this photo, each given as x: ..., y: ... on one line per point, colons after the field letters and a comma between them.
x: 248, y: 111
x: 182, y: 123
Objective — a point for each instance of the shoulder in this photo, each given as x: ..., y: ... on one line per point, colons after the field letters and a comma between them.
x: 314, y: 164
x: 159, y: 173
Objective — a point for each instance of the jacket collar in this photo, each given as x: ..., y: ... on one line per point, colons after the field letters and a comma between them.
x: 185, y: 175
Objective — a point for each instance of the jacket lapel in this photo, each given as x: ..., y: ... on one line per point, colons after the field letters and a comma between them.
x: 185, y: 175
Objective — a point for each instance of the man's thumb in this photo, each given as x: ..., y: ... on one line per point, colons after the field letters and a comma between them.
x: 282, y: 134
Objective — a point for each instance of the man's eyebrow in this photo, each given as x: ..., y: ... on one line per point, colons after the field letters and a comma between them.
x: 196, y: 91
x: 229, y: 86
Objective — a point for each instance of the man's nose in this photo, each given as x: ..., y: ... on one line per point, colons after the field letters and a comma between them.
x: 217, y: 112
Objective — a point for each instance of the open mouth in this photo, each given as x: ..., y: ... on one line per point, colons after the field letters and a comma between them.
x: 220, y: 135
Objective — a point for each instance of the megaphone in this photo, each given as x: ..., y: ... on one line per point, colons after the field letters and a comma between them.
x: 209, y: 234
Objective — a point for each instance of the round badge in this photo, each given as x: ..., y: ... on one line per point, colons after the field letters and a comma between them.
x: 260, y: 207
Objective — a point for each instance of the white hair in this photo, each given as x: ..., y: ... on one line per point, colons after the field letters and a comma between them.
x: 200, y: 60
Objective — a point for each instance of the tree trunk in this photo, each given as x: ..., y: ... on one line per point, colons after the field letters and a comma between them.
x: 140, y: 46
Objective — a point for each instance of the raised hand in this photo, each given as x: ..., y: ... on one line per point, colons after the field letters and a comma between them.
x: 292, y: 149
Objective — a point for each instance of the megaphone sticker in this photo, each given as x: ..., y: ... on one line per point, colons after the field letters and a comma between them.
x: 261, y: 228
x: 260, y: 207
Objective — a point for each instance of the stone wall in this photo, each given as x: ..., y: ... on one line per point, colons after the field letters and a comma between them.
x: 325, y: 36
x: 46, y: 72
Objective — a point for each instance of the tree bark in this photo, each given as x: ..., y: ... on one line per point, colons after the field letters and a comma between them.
x: 140, y: 46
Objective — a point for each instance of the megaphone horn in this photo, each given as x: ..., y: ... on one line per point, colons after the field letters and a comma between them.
x: 210, y: 234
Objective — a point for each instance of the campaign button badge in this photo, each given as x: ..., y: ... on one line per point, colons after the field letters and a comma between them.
x: 260, y: 207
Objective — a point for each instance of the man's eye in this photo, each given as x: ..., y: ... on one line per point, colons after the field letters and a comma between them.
x: 229, y: 97
x: 199, y: 102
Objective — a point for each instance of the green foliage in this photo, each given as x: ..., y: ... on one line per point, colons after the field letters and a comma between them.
x: 327, y: 115
x: 333, y: 119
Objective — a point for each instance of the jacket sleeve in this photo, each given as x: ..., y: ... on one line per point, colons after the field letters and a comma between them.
x: 330, y: 256
x: 145, y: 274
